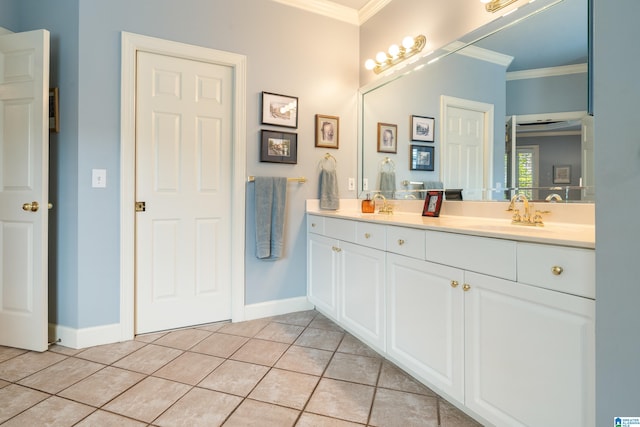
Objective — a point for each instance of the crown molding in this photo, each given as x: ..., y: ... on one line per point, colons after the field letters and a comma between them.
x: 480, y: 53
x: 326, y: 8
x: 371, y: 8
x: 337, y: 11
x: 548, y: 72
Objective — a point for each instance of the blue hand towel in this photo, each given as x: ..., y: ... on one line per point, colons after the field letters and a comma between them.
x: 387, y: 184
x: 270, y: 200
x: 329, y: 198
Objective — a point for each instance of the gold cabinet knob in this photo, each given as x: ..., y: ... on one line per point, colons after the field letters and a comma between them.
x: 31, y: 207
x: 401, y: 242
x: 313, y: 224
x: 466, y: 287
x: 336, y: 249
x: 367, y: 235
x: 454, y: 283
x: 557, y: 270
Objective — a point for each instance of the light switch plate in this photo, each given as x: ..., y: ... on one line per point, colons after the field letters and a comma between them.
x: 99, y: 178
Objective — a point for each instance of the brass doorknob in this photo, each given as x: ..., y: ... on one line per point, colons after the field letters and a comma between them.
x: 31, y: 207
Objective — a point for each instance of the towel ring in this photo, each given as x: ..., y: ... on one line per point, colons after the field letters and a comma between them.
x: 387, y: 165
x: 326, y: 160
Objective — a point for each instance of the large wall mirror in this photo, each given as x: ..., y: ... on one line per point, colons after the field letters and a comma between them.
x: 503, y: 109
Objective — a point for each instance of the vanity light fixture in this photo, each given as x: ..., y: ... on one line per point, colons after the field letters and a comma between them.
x: 495, y: 5
x: 396, y: 54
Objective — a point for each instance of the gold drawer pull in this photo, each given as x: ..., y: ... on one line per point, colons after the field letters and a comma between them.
x: 557, y: 270
x: 466, y: 287
x: 454, y: 283
x: 367, y: 235
x: 336, y: 249
x: 401, y: 242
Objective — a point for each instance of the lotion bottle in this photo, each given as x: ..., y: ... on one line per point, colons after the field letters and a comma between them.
x: 368, y: 206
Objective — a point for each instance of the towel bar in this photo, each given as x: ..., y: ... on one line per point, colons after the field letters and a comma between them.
x: 300, y: 179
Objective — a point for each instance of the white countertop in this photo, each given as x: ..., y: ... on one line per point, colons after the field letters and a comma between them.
x: 580, y: 235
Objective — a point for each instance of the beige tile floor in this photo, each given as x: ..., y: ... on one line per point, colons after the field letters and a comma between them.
x: 297, y: 369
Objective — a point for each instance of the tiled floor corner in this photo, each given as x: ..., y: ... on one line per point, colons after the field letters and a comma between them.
x: 298, y: 369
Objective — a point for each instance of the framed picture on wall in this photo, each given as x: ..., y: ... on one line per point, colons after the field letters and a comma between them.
x: 421, y: 158
x: 327, y: 131
x: 387, y: 138
x: 279, y: 110
x: 422, y: 128
x: 562, y: 174
x: 278, y: 147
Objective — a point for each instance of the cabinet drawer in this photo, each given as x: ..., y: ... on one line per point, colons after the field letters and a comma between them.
x: 405, y: 241
x: 494, y: 257
x: 371, y: 235
x: 342, y: 229
x: 315, y: 224
x: 563, y: 269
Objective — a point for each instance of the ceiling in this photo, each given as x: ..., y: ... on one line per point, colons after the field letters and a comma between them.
x: 555, y: 37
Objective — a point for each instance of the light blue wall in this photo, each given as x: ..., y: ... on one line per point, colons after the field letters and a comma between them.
x: 547, y: 94
x: 287, y: 53
x: 617, y: 159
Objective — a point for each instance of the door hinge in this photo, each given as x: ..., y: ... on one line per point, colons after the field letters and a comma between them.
x: 141, y: 206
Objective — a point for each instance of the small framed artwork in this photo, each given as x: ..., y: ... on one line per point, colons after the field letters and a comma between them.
x: 421, y: 158
x: 432, y: 203
x: 279, y: 110
x: 562, y: 174
x: 327, y: 131
x: 387, y: 134
x: 54, y: 115
x: 422, y: 128
x: 278, y: 147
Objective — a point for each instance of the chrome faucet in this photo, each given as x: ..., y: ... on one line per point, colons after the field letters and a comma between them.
x: 526, y: 218
x: 386, y: 208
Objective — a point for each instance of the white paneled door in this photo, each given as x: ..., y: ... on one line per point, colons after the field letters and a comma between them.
x: 183, y: 176
x: 467, y: 146
x: 24, y: 182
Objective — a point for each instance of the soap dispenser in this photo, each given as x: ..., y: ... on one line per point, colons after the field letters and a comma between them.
x: 368, y: 205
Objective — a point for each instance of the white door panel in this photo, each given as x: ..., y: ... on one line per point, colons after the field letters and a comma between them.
x: 24, y: 161
x: 467, y: 146
x: 183, y: 174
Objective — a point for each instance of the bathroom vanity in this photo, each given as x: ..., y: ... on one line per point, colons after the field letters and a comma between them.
x: 497, y: 318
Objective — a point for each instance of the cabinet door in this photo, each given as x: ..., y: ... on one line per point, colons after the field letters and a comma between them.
x: 425, y: 322
x: 529, y: 354
x: 322, y: 259
x: 361, y: 289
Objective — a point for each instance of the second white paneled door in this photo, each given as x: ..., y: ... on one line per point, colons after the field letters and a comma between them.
x: 183, y: 176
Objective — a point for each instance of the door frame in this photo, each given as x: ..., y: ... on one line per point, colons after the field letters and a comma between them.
x: 488, y: 111
x: 132, y: 43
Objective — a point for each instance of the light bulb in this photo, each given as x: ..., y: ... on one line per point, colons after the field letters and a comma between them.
x: 381, y: 57
x: 394, y: 50
x: 370, y: 64
x: 407, y: 42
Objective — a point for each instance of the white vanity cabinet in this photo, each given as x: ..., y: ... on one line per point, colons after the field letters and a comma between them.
x: 346, y: 275
x: 425, y: 321
x: 529, y: 354
x: 502, y: 328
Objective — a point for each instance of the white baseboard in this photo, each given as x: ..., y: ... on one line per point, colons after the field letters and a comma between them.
x: 86, y: 337
x: 108, y: 334
x: 275, y: 308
